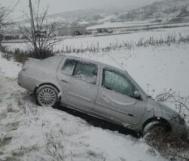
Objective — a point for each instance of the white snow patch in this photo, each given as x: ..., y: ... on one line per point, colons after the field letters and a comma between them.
x: 9, y: 68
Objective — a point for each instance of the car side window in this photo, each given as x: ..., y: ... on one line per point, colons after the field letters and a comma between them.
x: 117, y: 82
x: 68, y: 67
x: 86, y: 72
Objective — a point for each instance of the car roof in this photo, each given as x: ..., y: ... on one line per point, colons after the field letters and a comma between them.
x: 93, y: 61
x: 84, y: 59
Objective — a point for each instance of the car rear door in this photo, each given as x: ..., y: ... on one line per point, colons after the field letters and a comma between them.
x: 82, y: 86
x: 115, y: 99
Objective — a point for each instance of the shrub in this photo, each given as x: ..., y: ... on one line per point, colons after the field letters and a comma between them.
x: 41, y: 54
x: 21, y: 56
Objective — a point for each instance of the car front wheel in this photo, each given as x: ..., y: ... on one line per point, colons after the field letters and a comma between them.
x: 47, y: 95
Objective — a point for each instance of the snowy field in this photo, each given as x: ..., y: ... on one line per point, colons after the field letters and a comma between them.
x: 29, y: 132
x: 99, y: 42
x: 116, y: 40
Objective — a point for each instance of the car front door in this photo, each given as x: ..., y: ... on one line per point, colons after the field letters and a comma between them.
x: 116, y: 100
x: 82, y: 86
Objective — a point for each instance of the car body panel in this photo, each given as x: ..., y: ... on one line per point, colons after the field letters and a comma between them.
x: 126, y: 110
x: 81, y: 94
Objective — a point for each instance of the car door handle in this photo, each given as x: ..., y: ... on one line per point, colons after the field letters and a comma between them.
x: 65, y: 81
x: 131, y: 115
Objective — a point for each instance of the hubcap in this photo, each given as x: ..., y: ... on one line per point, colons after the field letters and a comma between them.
x: 47, y: 97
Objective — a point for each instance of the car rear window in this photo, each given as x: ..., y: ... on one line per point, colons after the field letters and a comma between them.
x: 68, y: 67
x: 86, y: 72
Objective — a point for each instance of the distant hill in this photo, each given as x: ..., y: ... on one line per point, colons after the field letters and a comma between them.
x: 172, y: 11
x: 80, y: 17
x: 163, y: 11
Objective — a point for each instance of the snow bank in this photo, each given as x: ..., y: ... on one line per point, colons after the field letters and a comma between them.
x: 9, y: 68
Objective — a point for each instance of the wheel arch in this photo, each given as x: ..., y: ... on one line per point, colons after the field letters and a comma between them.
x: 156, y: 121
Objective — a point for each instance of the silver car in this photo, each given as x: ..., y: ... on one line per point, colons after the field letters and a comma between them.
x: 99, y: 90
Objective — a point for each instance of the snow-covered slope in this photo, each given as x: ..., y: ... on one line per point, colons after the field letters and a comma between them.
x: 173, y: 11
x: 160, y: 11
x: 29, y: 132
x: 32, y: 133
x: 9, y: 68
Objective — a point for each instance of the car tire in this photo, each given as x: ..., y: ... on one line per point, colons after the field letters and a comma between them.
x: 47, y: 95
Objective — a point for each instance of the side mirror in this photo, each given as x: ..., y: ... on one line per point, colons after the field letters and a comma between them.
x: 137, y: 95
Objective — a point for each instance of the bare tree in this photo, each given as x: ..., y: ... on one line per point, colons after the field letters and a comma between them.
x: 41, y: 34
x: 5, y: 19
x: 3, y: 23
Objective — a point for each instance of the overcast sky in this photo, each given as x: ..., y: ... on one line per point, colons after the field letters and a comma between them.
x: 56, y: 6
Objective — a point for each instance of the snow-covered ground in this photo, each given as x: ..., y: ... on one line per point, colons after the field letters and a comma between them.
x: 119, y: 39
x: 29, y: 132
